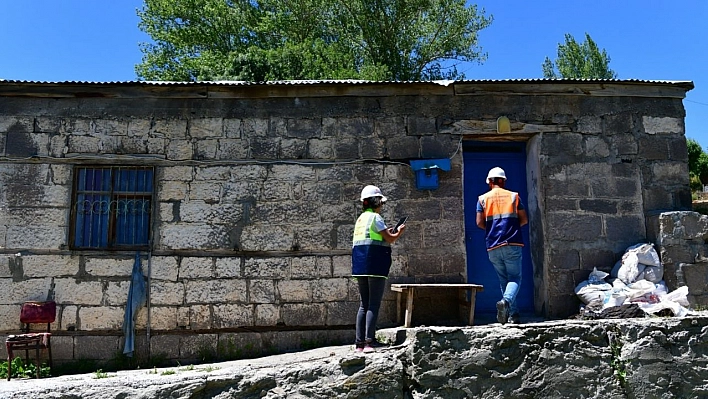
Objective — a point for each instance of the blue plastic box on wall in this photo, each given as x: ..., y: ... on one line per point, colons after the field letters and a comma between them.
x: 426, y: 172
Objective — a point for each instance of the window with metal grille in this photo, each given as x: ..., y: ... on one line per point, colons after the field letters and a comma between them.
x: 111, y: 207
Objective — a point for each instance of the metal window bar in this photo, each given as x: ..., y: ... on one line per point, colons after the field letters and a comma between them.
x: 113, y: 206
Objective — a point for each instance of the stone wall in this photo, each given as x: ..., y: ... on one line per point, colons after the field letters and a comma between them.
x: 257, y: 193
x: 680, y: 239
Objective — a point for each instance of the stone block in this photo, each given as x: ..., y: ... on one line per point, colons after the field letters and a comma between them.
x: 566, y: 226
x: 254, y: 127
x: 200, y: 317
x: 233, y: 315
x: 403, y: 147
x: 68, y: 317
x: 49, y: 237
x: 84, y: 144
x: 589, y: 124
x: 390, y: 127
x: 5, y: 270
x: 164, y: 268
x: 678, y: 150
x: 196, y: 267
x: 176, y: 173
x: 167, y: 345
x: 626, y: 229
x: 47, y: 265
x: 269, y: 268
x: 294, y: 290
x: 304, y: 267
x: 264, y: 147
x: 10, y: 318
x: 167, y: 293
x: 267, y: 315
x: 292, y: 173
x: 158, y: 146
x: 602, y: 259
x: 62, y: 349
x: 656, y: 198
x: 330, y: 290
x: 71, y: 291
x: 355, y: 127
x: 562, y: 146
x: 172, y: 191
x: 16, y: 124
x: 675, y: 254
x: 239, y: 346
x: 116, y: 293
x: 596, y: 206
x: 101, y: 318
x: 304, y: 128
x: 45, y: 124
x: 438, y: 146
x: 320, y: 149
x: 277, y: 127
x: 111, y: 267
x: 170, y: 128
x: 420, y: 126
x: 235, y: 149
x: 132, y: 145
x: 342, y: 313
x: 228, y: 267
x: 200, y: 128
x: 162, y: 318
x: 193, y: 236
x: 179, y: 150
x: 614, y: 124
x: 314, y: 237
x: 653, y: 148
x: 335, y: 173
x: 624, y: 144
x: 216, y: 291
x: 667, y: 173
x: 341, y: 266
x: 564, y: 258
x: 198, y: 348
x: 373, y: 148
x: 297, y: 314
x: 232, y: 128
x: 346, y: 148
x: 111, y: 127
x: 261, y: 291
x: 696, y: 278
x: 276, y: 192
x: 206, y: 149
x: 443, y: 234
x: 662, y: 125
x: 267, y: 238
x: 75, y: 126
x: 92, y: 347
x: 562, y: 204
x: 596, y: 147
x: 138, y: 127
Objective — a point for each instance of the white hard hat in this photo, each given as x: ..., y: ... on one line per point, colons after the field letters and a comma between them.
x: 495, y: 172
x: 372, y: 191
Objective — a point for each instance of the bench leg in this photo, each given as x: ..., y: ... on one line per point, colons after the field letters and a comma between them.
x: 409, y: 307
x: 399, y: 303
x: 473, y: 299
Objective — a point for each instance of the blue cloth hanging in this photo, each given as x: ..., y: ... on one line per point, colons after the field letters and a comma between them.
x: 136, y: 299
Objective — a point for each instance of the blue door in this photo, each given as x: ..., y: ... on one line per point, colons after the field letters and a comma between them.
x: 478, y: 159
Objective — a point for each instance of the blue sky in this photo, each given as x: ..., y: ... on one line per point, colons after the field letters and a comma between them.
x: 91, y: 40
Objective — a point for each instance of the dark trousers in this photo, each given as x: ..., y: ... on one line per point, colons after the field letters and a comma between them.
x: 371, y: 291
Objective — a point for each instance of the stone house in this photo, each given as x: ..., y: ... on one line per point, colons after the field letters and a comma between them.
x: 240, y: 199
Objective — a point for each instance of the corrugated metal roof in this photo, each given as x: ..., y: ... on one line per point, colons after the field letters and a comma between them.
x: 683, y: 83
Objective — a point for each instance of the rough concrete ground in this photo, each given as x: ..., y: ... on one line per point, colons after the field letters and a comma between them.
x: 618, y: 358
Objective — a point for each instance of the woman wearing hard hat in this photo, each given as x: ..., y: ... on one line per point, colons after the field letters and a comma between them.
x: 371, y: 261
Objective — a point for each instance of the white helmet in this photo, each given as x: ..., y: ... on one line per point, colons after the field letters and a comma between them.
x: 495, y: 172
x: 372, y: 191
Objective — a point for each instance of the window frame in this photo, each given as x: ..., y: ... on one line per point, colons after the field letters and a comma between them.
x: 114, y: 195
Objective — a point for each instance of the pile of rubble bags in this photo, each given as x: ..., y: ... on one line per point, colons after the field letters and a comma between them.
x: 635, y: 288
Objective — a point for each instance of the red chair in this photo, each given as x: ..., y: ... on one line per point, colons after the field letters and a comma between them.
x: 32, y: 313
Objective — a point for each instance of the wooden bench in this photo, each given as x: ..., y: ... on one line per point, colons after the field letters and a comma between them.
x: 409, y: 291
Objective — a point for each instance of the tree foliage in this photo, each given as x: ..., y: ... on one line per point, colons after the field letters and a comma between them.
x: 697, y: 164
x: 579, y: 61
x: 261, y: 40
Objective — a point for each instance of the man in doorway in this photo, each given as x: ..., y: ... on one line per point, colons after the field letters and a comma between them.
x: 501, y: 214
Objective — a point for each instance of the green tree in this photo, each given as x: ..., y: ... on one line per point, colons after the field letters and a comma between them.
x: 261, y: 40
x: 697, y: 165
x: 579, y: 61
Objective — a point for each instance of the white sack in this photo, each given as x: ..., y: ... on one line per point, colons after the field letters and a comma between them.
x: 594, y: 288
x: 645, y: 253
x: 631, y: 268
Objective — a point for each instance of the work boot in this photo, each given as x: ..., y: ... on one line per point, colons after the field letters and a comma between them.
x: 502, y: 311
